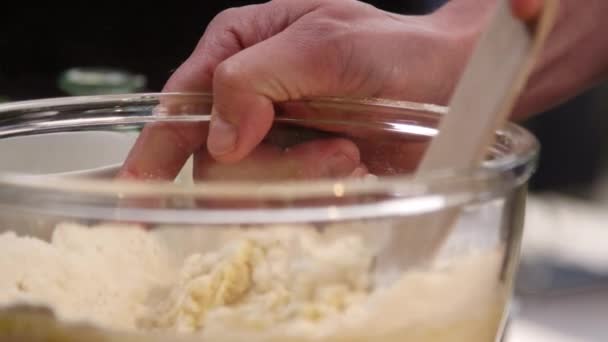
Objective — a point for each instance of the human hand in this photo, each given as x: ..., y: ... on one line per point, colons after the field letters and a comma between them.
x: 254, y: 56
x: 526, y: 9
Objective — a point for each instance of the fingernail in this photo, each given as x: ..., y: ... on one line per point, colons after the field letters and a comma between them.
x: 222, y: 135
x: 360, y: 172
x: 339, y: 165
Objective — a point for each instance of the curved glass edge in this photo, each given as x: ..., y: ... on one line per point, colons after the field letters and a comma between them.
x: 509, y: 171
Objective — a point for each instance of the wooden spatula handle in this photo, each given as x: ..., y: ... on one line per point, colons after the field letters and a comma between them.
x: 483, y: 99
x: 488, y: 89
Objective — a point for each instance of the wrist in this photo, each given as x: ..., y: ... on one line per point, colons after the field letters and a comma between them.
x: 573, y: 60
x: 453, y: 30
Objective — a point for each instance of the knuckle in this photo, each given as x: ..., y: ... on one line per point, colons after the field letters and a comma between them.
x: 342, y: 9
x: 291, y: 3
x: 281, y: 3
x: 323, y: 29
x: 226, y: 16
x: 331, y: 37
x: 228, y: 74
x: 240, y: 27
x: 328, y: 43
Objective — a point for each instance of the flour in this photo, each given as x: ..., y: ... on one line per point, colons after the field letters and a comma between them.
x: 273, y: 284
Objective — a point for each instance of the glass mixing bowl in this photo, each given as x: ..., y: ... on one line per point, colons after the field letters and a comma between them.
x: 257, y: 250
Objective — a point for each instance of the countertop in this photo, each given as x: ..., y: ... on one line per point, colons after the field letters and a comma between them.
x: 570, y: 236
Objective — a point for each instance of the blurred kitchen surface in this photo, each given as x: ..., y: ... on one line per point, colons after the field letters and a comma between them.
x: 562, y: 290
x: 562, y: 286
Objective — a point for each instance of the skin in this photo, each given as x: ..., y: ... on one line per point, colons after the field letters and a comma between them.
x: 526, y: 9
x: 254, y: 56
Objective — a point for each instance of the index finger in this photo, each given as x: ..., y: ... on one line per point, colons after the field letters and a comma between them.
x: 163, y: 147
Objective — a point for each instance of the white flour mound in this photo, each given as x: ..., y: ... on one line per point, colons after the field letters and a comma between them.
x: 269, y: 284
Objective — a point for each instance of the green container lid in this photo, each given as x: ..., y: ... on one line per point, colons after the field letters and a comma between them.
x: 99, y: 81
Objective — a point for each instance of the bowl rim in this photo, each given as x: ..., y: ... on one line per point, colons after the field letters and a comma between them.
x: 491, y: 175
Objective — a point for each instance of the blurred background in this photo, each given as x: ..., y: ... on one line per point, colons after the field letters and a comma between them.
x: 563, y: 283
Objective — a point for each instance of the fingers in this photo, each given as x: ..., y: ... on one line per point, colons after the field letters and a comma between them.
x: 162, y: 149
x: 526, y: 10
x: 329, y: 158
x: 391, y: 157
x: 223, y: 38
x: 248, y: 118
x: 246, y: 85
x: 231, y: 31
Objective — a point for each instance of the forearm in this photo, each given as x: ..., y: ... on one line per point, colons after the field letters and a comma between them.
x: 575, y: 57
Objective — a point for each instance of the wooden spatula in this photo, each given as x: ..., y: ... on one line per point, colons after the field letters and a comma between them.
x: 481, y: 104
